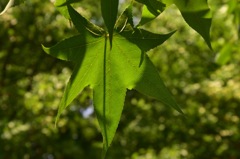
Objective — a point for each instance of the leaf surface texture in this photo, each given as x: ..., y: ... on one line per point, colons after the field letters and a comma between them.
x: 111, y: 69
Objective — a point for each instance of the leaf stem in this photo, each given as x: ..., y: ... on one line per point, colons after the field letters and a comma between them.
x: 105, y: 146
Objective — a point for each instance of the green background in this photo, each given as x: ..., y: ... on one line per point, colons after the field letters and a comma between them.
x: 205, y: 83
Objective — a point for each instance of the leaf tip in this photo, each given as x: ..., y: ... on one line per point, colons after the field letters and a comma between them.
x: 178, y: 108
x: 209, y: 45
x: 58, y: 116
x: 56, y: 120
x: 45, y: 49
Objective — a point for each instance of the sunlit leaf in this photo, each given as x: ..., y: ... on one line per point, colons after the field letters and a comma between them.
x: 111, y: 69
x: 224, y: 55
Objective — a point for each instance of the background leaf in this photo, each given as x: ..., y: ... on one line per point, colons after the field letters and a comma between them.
x: 197, y: 15
x: 125, y: 20
x: 83, y: 24
x: 146, y: 40
x: 150, y: 10
x: 224, y: 55
x: 147, y: 16
x: 61, y: 6
x: 234, y: 9
x: 154, y: 6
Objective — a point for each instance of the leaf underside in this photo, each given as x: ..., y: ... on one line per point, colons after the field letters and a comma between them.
x: 115, y: 61
x: 110, y: 69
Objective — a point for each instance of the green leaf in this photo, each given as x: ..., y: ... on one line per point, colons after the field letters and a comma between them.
x: 109, y: 10
x: 232, y: 6
x: 147, y: 16
x: 139, y: 36
x: 61, y: 6
x: 83, y: 23
x: 197, y: 15
x: 110, y: 70
x: 125, y: 20
x: 224, y: 55
x: 65, y: 2
x: 234, y: 9
x: 150, y: 10
x: 8, y: 4
x: 154, y: 6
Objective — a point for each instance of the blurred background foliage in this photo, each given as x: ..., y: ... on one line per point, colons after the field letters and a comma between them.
x: 205, y: 83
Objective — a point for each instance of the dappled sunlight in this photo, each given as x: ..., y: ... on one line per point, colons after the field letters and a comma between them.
x: 204, y: 83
